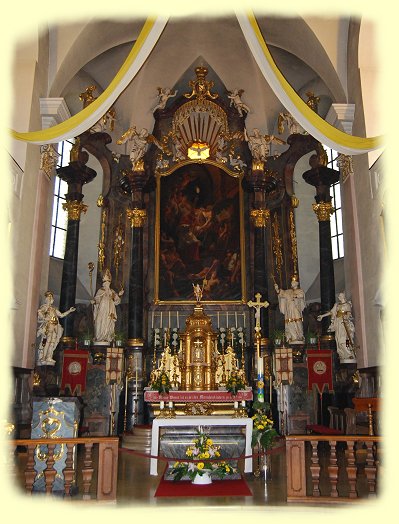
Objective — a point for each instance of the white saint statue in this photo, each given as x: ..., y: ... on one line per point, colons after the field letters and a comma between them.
x: 49, y: 329
x: 259, y: 144
x: 291, y: 304
x: 104, y: 313
x: 343, y: 327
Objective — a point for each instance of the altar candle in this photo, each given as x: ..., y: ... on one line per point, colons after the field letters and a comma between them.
x: 161, y: 321
x: 162, y: 404
x: 244, y: 319
x: 152, y: 321
x: 243, y: 403
x: 170, y: 405
x: 137, y: 373
x: 227, y: 319
x: 218, y: 320
x: 236, y: 405
x: 177, y: 317
x: 235, y: 316
x: 169, y: 319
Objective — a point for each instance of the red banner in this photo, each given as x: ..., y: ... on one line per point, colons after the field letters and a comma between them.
x: 74, y: 370
x: 320, y: 369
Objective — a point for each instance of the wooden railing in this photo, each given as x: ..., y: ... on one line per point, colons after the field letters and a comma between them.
x: 332, y: 468
x: 88, y: 466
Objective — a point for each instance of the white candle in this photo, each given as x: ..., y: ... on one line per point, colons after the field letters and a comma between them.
x: 243, y: 403
x: 235, y: 404
x: 169, y: 319
x: 161, y: 321
x: 162, y: 404
x: 137, y: 374
x: 235, y: 316
x: 244, y: 318
x: 178, y: 325
x: 260, y: 365
x: 218, y: 320
x: 152, y: 321
x: 170, y: 405
x: 227, y: 319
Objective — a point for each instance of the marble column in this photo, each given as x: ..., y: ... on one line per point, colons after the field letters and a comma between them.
x: 76, y: 174
x: 322, y: 177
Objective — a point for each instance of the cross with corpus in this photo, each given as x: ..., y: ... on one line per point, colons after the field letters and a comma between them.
x: 257, y: 305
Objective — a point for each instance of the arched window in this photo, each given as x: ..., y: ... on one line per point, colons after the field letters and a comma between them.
x: 59, y: 218
x: 337, y: 236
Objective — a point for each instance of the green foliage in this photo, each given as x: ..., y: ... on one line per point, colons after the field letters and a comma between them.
x: 162, y: 383
x: 263, y: 432
x: 234, y: 383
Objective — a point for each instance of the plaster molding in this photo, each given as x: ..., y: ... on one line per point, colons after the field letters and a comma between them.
x: 343, y: 115
x: 53, y: 111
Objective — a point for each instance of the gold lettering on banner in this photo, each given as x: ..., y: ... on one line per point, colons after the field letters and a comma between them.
x: 323, y: 211
x: 260, y: 217
x: 74, y: 208
x: 136, y: 216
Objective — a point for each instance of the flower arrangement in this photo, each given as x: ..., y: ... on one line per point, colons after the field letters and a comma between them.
x: 263, y: 433
x: 162, y: 383
x: 204, y: 452
x: 234, y: 383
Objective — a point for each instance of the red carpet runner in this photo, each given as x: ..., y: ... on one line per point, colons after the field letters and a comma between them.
x: 218, y: 488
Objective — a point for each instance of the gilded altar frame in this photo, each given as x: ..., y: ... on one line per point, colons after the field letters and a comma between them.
x: 236, y: 175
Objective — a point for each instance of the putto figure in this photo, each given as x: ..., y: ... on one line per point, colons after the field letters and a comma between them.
x: 49, y: 329
x: 104, y: 314
x: 163, y: 96
x: 235, y: 99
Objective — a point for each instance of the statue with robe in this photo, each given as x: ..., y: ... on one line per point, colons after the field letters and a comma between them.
x: 291, y: 304
x: 104, y: 312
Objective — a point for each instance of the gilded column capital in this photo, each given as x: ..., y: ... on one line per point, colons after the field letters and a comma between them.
x: 260, y: 217
x: 136, y: 216
x: 74, y: 208
x: 323, y: 211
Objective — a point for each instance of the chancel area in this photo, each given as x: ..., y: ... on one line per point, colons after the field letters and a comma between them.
x: 197, y: 234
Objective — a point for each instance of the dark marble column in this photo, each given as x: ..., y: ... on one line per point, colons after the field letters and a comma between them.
x: 322, y: 177
x: 76, y: 174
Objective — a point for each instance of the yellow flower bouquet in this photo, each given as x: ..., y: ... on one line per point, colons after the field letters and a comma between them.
x: 203, y: 452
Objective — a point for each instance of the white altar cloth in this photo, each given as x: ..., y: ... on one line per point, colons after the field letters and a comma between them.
x: 200, y: 421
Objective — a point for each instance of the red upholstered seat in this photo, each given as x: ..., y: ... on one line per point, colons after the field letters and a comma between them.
x: 323, y: 430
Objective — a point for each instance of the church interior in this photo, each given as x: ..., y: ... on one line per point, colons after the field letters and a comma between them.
x: 196, y: 222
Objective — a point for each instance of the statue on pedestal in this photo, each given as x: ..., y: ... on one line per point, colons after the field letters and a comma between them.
x: 49, y: 329
x: 292, y: 303
x: 342, y: 325
x: 104, y: 313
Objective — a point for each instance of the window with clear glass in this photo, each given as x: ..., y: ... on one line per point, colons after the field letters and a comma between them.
x: 337, y: 235
x: 59, y: 217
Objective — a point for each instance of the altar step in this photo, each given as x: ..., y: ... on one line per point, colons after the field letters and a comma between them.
x: 138, y: 439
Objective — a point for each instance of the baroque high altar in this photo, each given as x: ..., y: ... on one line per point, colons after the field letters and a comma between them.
x: 198, y: 201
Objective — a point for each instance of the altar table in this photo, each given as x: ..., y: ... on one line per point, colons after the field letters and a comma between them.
x: 200, y: 421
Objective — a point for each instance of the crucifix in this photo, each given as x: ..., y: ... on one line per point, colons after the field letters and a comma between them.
x: 257, y: 305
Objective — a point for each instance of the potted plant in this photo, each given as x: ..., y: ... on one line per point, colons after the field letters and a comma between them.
x: 278, y: 336
x: 203, y: 455
x: 119, y: 338
x: 311, y: 338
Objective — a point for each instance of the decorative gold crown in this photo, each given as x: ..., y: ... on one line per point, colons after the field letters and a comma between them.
x: 107, y: 275
x: 49, y: 294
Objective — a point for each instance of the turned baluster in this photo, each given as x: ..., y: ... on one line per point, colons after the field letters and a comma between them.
x: 351, y: 469
x: 69, y: 472
x: 87, y: 471
x: 333, y: 468
x: 315, y: 469
x: 30, y: 472
x: 50, y: 472
x: 370, y: 468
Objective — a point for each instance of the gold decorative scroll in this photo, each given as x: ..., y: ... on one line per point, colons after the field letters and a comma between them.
x: 345, y: 165
x: 48, y: 159
x: 294, y: 243
x: 276, y: 244
x: 101, y: 244
x: 323, y: 211
x: 260, y: 217
x: 74, y: 208
x: 119, y: 242
x: 136, y: 216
